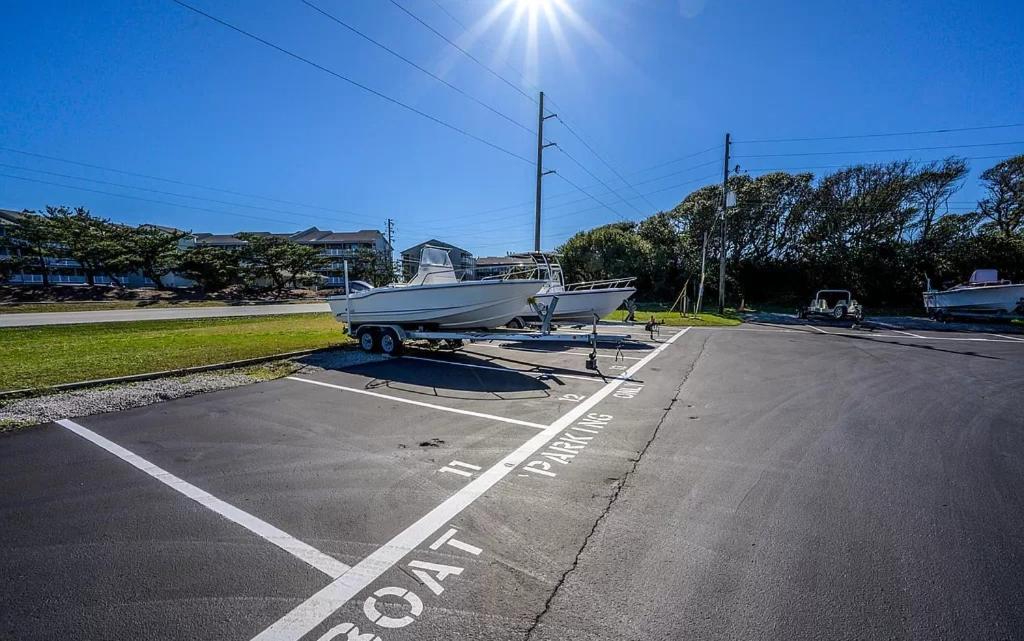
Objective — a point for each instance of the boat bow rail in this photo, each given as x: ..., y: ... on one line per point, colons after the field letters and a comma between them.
x: 610, y: 283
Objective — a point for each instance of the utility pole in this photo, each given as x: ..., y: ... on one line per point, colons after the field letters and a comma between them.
x: 392, y: 267
x: 540, y: 167
x: 725, y: 205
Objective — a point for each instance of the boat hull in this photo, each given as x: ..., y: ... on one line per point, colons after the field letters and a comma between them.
x: 992, y: 299
x: 460, y: 305
x: 580, y: 306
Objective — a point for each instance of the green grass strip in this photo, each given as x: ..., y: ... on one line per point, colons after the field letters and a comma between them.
x: 49, y: 355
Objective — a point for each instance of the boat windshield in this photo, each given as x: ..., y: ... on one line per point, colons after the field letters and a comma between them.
x: 435, y: 267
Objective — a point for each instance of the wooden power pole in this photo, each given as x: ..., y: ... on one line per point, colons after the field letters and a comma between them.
x: 725, y: 205
x: 540, y: 168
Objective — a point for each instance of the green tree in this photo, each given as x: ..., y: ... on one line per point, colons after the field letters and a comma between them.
x: 931, y: 189
x: 673, y: 256
x: 1003, y: 207
x: 611, y: 251
x: 98, y: 245
x: 34, y: 239
x: 212, y: 268
x: 304, y: 263
x: 372, y: 266
x: 769, y: 215
x: 278, y: 260
x: 10, y: 260
x: 265, y: 259
x: 153, y: 251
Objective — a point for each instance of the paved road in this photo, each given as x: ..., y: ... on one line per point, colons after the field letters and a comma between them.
x: 163, y: 313
x: 746, y: 483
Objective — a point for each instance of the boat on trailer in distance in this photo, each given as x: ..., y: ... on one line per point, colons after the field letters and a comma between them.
x: 573, y: 303
x: 985, y: 295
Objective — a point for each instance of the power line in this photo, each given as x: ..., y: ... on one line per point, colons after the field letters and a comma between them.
x: 603, y: 183
x: 149, y: 200
x: 354, y: 83
x: 601, y: 158
x: 589, y: 209
x: 680, y: 159
x: 567, y: 193
x: 879, y: 151
x: 175, y: 182
x: 166, y: 193
x: 850, y: 166
x: 883, y: 135
x: 449, y: 14
x: 589, y: 195
x: 413, y: 64
x: 464, y: 52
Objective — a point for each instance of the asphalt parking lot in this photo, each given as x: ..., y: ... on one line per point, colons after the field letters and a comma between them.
x: 764, y: 481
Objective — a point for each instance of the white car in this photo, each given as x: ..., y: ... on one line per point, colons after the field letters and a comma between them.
x: 837, y: 304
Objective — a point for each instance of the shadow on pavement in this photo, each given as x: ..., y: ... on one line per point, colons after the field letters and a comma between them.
x: 438, y: 375
x: 878, y: 339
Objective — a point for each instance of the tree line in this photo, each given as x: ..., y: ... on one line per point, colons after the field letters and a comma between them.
x: 882, y: 230
x: 102, y: 247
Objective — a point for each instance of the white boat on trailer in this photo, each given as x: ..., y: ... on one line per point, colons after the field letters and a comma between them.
x: 984, y: 295
x: 577, y: 303
x: 451, y: 312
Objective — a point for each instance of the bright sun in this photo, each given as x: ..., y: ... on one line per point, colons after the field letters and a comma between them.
x: 524, y: 20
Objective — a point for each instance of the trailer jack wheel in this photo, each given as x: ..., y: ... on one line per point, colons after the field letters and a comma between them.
x: 592, y: 361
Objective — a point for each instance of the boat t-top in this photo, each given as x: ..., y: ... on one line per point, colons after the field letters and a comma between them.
x: 435, y: 298
x: 577, y: 303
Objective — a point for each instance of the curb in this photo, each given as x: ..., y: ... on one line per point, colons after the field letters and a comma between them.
x: 134, y: 378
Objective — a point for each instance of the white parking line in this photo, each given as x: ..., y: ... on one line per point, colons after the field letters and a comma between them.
x: 397, y: 399
x: 317, y: 608
x: 900, y: 331
x: 593, y: 379
x: 752, y: 329
x: 1010, y: 338
x: 818, y: 329
x: 315, y: 558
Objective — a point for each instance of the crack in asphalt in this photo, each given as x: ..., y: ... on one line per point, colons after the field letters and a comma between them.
x: 619, y: 484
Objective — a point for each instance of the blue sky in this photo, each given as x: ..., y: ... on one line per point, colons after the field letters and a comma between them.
x: 151, y: 88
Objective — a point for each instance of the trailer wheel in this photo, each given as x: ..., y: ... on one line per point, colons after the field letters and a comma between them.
x: 368, y: 340
x: 515, y: 323
x: 839, y: 312
x: 390, y: 343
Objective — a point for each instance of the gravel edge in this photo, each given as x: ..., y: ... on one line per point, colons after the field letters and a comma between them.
x: 19, y: 413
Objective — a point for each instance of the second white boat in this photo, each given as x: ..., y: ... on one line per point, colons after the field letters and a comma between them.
x: 578, y: 303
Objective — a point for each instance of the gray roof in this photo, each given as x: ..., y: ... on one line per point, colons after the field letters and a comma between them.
x: 435, y: 243
x: 9, y: 216
x: 163, y: 228
x: 218, y: 239
x: 314, y: 235
x: 487, y: 261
